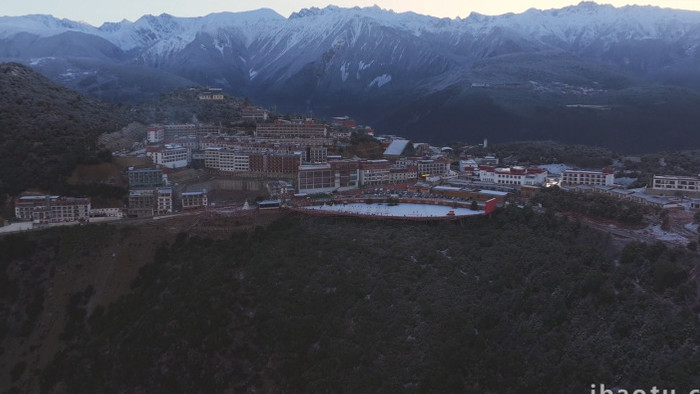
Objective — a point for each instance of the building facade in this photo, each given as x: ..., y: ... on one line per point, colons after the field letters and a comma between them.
x: 191, y: 200
x: 337, y: 175
x: 171, y: 156
x: 672, y: 185
x: 52, y: 209
x: 513, y: 175
x: 145, y: 177
x: 374, y: 172
x: 606, y: 177
x: 433, y: 167
x: 150, y: 202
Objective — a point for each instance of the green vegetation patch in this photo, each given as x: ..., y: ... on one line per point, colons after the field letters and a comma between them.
x: 519, y: 302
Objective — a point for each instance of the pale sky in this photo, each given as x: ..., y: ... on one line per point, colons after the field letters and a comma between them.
x: 96, y: 12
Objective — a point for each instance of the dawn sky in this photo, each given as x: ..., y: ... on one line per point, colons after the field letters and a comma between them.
x: 97, y: 12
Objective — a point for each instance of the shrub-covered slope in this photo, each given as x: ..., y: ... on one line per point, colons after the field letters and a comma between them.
x: 46, y: 129
x: 515, y: 303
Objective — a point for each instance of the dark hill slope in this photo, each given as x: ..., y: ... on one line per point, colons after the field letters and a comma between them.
x: 515, y: 303
x: 46, y: 129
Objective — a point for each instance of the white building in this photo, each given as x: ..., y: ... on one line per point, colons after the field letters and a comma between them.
x: 52, y: 209
x: 226, y: 160
x: 171, y: 156
x: 513, y: 175
x: 432, y: 167
x: 673, y: 184
x: 374, y: 172
x: 606, y: 177
x: 402, y: 174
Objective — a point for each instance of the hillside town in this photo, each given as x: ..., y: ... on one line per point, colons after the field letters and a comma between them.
x: 291, y: 162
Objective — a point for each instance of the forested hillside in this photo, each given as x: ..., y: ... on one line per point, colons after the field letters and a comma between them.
x: 46, y: 130
x: 516, y: 303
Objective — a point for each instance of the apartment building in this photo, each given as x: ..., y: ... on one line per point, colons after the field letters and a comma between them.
x: 433, y: 167
x: 675, y: 185
x: 605, y: 177
x: 145, y: 177
x: 316, y: 178
x: 326, y: 177
x: 52, y: 209
x: 318, y: 154
x: 513, y: 175
x: 374, y: 172
x: 171, y: 156
x: 150, y: 202
x: 403, y: 174
x: 281, y: 129
x: 252, y: 162
x: 191, y: 200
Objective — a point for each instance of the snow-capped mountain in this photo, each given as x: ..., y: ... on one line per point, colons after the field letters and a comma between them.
x: 369, y: 46
x: 360, y: 60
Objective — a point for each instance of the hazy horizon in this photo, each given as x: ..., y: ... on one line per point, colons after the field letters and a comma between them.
x: 98, y: 13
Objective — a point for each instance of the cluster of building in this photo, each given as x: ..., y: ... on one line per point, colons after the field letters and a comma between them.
x: 299, y: 152
x: 150, y: 195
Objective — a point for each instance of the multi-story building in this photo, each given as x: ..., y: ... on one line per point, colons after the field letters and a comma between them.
x: 149, y: 202
x: 513, y: 175
x: 141, y: 203
x: 318, y: 154
x: 374, y: 172
x: 315, y: 178
x: 403, y: 174
x: 254, y: 114
x: 282, y: 163
x: 164, y: 201
x: 281, y: 129
x: 605, y: 177
x: 145, y: 177
x: 226, y: 160
x: 155, y: 134
x: 52, y: 209
x: 171, y: 156
x: 336, y: 175
x: 346, y: 173
x: 258, y: 162
x: 192, y: 200
x: 433, y: 167
x: 252, y: 162
x: 672, y: 185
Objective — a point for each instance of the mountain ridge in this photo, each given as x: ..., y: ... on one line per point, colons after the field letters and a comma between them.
x: 371, y: 62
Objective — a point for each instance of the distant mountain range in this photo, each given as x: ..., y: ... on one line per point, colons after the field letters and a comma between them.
x: 626, y: 78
